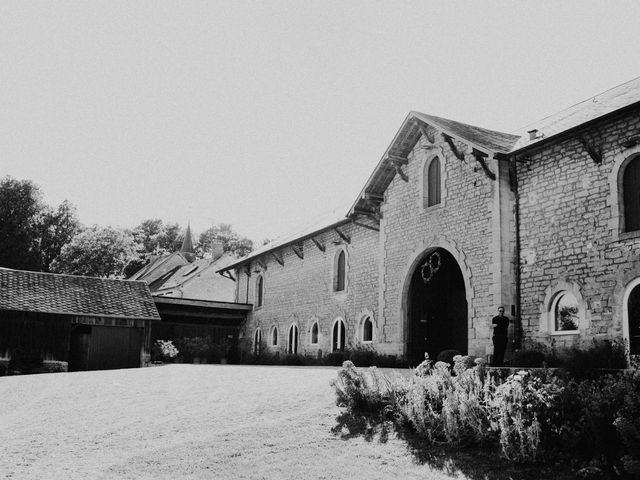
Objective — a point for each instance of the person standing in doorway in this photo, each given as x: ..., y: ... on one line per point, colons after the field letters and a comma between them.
x: 500, y: 324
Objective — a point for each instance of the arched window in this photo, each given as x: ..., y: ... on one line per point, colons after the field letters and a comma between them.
x: 431, y: 182
x: 565, y: 309
x: 339, y: 276
x: 367, y: 330
x: 259, y: 290
x: 631, y: 195
x: 292, y: 347
x: 274, y: 337
x: 257, y: 342
x: 338, y: 336
x: 632, y: 327
x: 314, y: 334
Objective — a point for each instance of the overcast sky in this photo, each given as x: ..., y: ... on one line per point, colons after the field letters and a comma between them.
x: 265, y: 114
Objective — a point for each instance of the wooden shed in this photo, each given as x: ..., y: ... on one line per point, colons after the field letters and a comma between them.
x: 75, y: 323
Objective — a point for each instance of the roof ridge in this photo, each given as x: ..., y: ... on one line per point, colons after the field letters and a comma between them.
x: 73, y: 276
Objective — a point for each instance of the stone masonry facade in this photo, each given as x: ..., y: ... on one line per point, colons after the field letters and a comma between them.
x: 301, y: 291
x: 463, y: 224
x: 534, y: 222
x: 571, y: 237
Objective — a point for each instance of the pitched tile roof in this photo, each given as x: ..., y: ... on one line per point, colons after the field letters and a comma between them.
x: 602, y: 104
x: 491, y: 140
x: 74, y: 295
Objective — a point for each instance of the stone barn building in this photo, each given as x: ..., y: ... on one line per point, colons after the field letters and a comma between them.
x: 456, y: 220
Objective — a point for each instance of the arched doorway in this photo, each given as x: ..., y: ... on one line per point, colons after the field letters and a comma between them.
x: 632, y: 330
x: 437, y: 307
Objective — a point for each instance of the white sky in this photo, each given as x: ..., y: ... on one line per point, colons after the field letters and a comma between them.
x: 264, y: 114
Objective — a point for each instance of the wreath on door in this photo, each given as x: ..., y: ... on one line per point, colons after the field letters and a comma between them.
x: 431, y: 267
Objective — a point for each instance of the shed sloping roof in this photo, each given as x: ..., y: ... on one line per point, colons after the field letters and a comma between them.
x: 74, y: 295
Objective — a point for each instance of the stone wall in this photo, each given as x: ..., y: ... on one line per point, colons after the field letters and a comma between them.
x: 570, y: 234
x: 474, y: 222
x: 301, y: 291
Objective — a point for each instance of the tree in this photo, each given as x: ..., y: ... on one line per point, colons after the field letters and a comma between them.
x: 232, y: 242
x: 154, y: 236
x: 97, y: 252
x: 20, y: 210
x: 32, y: 233
x: 57, y: 228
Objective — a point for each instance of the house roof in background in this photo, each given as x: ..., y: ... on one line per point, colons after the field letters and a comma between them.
x: 190, y: 271
x: 74, y: 295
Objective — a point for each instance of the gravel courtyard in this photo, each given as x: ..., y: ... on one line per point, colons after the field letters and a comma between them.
x: 189, y: 421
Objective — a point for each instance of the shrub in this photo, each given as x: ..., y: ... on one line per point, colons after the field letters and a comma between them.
x: 362, y: 390
x: 528, y: 358
x: 447, y: 356
x: 585, y: 362
x: 164, y: 350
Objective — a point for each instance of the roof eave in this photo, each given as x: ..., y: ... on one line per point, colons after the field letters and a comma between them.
x: 573, y: 130
x: 284, y: 245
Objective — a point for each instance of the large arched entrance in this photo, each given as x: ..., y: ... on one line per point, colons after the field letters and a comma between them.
x: 437, y: 307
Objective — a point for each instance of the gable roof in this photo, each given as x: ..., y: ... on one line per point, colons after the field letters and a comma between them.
x: 74, y: 295
x: 491, y: 142
x: 626, y: 95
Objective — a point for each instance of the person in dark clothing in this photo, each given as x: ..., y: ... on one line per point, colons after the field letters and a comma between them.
x: 500, y: 324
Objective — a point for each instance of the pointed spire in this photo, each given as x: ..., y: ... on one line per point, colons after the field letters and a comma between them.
x: 187, y: 243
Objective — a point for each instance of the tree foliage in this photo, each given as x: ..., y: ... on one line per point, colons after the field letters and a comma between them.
x: 97, y: 252
x: 32, y: 233
x: 153, y: 236
x: 232, y: 242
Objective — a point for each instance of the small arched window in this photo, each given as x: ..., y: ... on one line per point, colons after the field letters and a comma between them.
x: 431, y: 182
x: 633, y: 320
x: 259, y: 291
x: 292, y: 347
x: 565, y: 312
x: 274, y: 337
x: 338, y: 336
x: 631, y: 195
x: 257, y: 342
x: 340, y: 272
x: 367, y: 330
x: 314, y: 334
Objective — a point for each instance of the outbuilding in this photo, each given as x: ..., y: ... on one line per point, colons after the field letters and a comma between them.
x: 75, y: 323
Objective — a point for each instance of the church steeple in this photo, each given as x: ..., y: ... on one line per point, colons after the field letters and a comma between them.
x: 187, y: 242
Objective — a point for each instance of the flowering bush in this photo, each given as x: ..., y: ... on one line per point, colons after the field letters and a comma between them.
x: 164, y: 350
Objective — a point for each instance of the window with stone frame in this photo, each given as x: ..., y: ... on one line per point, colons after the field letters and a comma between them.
x: 338, y: 336
x: 631, y: 195
x: 259, y: 296
x: 257, y: 342
x: 314, y: 333
x: 565, y: 310
x: 431, y: 188
x: 340, y: 271
x: 367, y: 330
x: 292, y: 346
x: 274, y: 337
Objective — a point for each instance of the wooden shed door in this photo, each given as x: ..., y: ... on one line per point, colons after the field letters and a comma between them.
x: 114, y: 347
